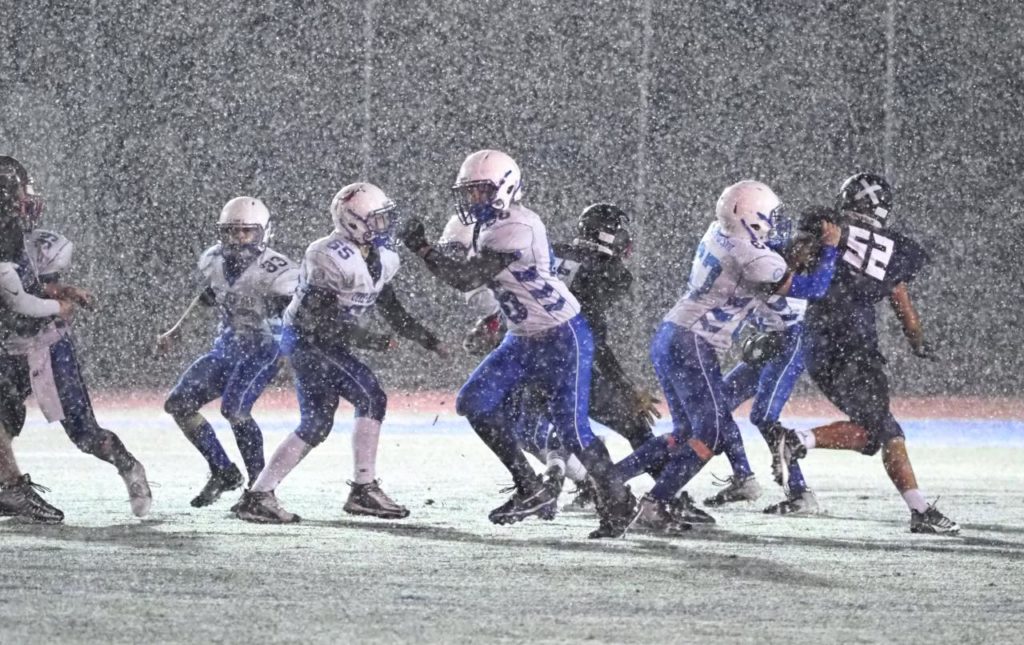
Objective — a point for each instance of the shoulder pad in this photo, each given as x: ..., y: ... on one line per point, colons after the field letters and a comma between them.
x: 205, y: 263
x: 51, y: 251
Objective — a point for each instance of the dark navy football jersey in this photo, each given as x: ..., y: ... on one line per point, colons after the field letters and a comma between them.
x: 597, y: 280
x: 871, y: 264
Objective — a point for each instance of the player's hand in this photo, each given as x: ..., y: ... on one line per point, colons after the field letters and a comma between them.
x: 830, y: 234
x: 391, y: 346
x: 925, y: 351
x: 646, y: 405
x: 81, y: 297
x: 485, y: 335
x: 165, y: 341
x: 67, y: 310
x: 414, y: 235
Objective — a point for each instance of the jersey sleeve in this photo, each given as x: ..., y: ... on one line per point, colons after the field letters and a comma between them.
x: 14, y: 297
x: 285, y: 280
x: 909, y: 260
x: 510, y: 237
x: 390, y: 263
x: 322, y: 273
x: 767, y: 267
x: 205, y: 264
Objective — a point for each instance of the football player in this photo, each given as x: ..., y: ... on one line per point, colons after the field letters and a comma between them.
x: 40, y: 356
x: 19, y: 495
x: 549, y: 343
x: 342, y: 278
x: 773, y: 360
x: 876, y: 263
x: 250, y: 284
x: 733, y: 272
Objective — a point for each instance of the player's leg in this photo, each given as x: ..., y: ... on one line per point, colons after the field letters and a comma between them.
x: 19, y: 495
x: 563, y: 359
x: 317, y: 392
x: 203, y: 381
x: 691, y: 367
x: 251, y: 375
x: 612, y: 405
x: 738, y: 385
x: 482, y: 401
x: 82, y: 428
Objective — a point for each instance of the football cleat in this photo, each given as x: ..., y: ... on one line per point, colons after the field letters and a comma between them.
x: 735, y: 489
x: 932, y: 521
x: 538, y: 500
x: 21, y: 499
x: 615, y: 519
x: 263, y: 508
x: 684, y: 508
x: 658, y: 516
x: 806, y: 503
x: 139, y: 495
x: 369, y: 499
x: 220, y: 482
x: 585, y: 499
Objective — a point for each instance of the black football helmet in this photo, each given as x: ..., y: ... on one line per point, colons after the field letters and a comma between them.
x: 603, y: 226
x: 866, y: 196
x: 30, y: 203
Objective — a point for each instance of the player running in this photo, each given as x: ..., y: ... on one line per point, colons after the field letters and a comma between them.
x: 250, y: 284
x: 548, y: 343
x: 773, y: 360
x: 342, y: 278
x: 733, y: 273
x: 39, y: 354
x: 843, y: 356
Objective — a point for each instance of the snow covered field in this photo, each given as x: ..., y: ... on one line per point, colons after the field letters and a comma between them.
x: 447, y: 575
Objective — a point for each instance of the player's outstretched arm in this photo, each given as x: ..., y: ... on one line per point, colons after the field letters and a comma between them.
x: 166, y: 340
x: 15, y: 298
x: 463, y: 275
x: 910, y: 321
x: 814, y: 285
x: 402, y: 322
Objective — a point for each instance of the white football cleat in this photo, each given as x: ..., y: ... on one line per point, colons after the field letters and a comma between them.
x: 139, y: 495
x: 806, y: 503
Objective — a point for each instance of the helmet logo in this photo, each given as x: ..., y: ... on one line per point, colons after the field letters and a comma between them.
x: 869, y: 191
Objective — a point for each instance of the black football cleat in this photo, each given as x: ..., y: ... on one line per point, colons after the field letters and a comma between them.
x: 585, y: 498
x: 369, y: 499
x: 735, y: 489
x: 616, y: 519
x: 21, y: 499
x: 539, y: 500
x: 932, y: 521
x: 263, y: 508
x: 684, y: 509
x: 658, y: 516
x: 220, y: 482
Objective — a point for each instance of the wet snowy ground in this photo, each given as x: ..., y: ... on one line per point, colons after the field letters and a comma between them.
x: 446, y: 575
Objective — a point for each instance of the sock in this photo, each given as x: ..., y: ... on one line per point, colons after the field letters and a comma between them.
x: 365, y: 437
x: 198, y: 430
x: 287, y: 456
x: 796, y: 482
x: 807, y: 438
x: 9, y: 471
x: 677, y: 473
x: 737, y: 456
x: 915, y: 500
x: 575, y: 470
x: 610, y: 487
x: 653, y: 455
x: 106, y: 446
x: 250, y: 444
x: 555, y: 461
x: 506, y: 449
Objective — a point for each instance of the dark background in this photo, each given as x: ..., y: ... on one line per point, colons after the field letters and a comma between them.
x: 139, y: 120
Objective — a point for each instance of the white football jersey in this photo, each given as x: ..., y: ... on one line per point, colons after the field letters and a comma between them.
x: 243, y: 302
x: 531, y: 297
x: 455, y: 241
x: 726, y: 283
x: 779, y: 313
x: 49, y: 252
x: 335, y: 264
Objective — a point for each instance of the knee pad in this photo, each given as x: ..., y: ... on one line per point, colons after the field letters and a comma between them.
x: 235, y: 419
x: 314, y: 434
x: 177, y: 406
x: 373, y: 406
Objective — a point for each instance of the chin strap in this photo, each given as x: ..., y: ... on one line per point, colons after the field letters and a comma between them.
x: 593, y: 245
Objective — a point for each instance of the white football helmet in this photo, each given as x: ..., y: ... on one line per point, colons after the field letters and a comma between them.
x: 364, y: 214
x: 748, y: 207
x: 489, y: 181
x: 245, y: 222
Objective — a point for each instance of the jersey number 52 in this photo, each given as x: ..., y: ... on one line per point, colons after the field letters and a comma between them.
x: 868, y: 251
